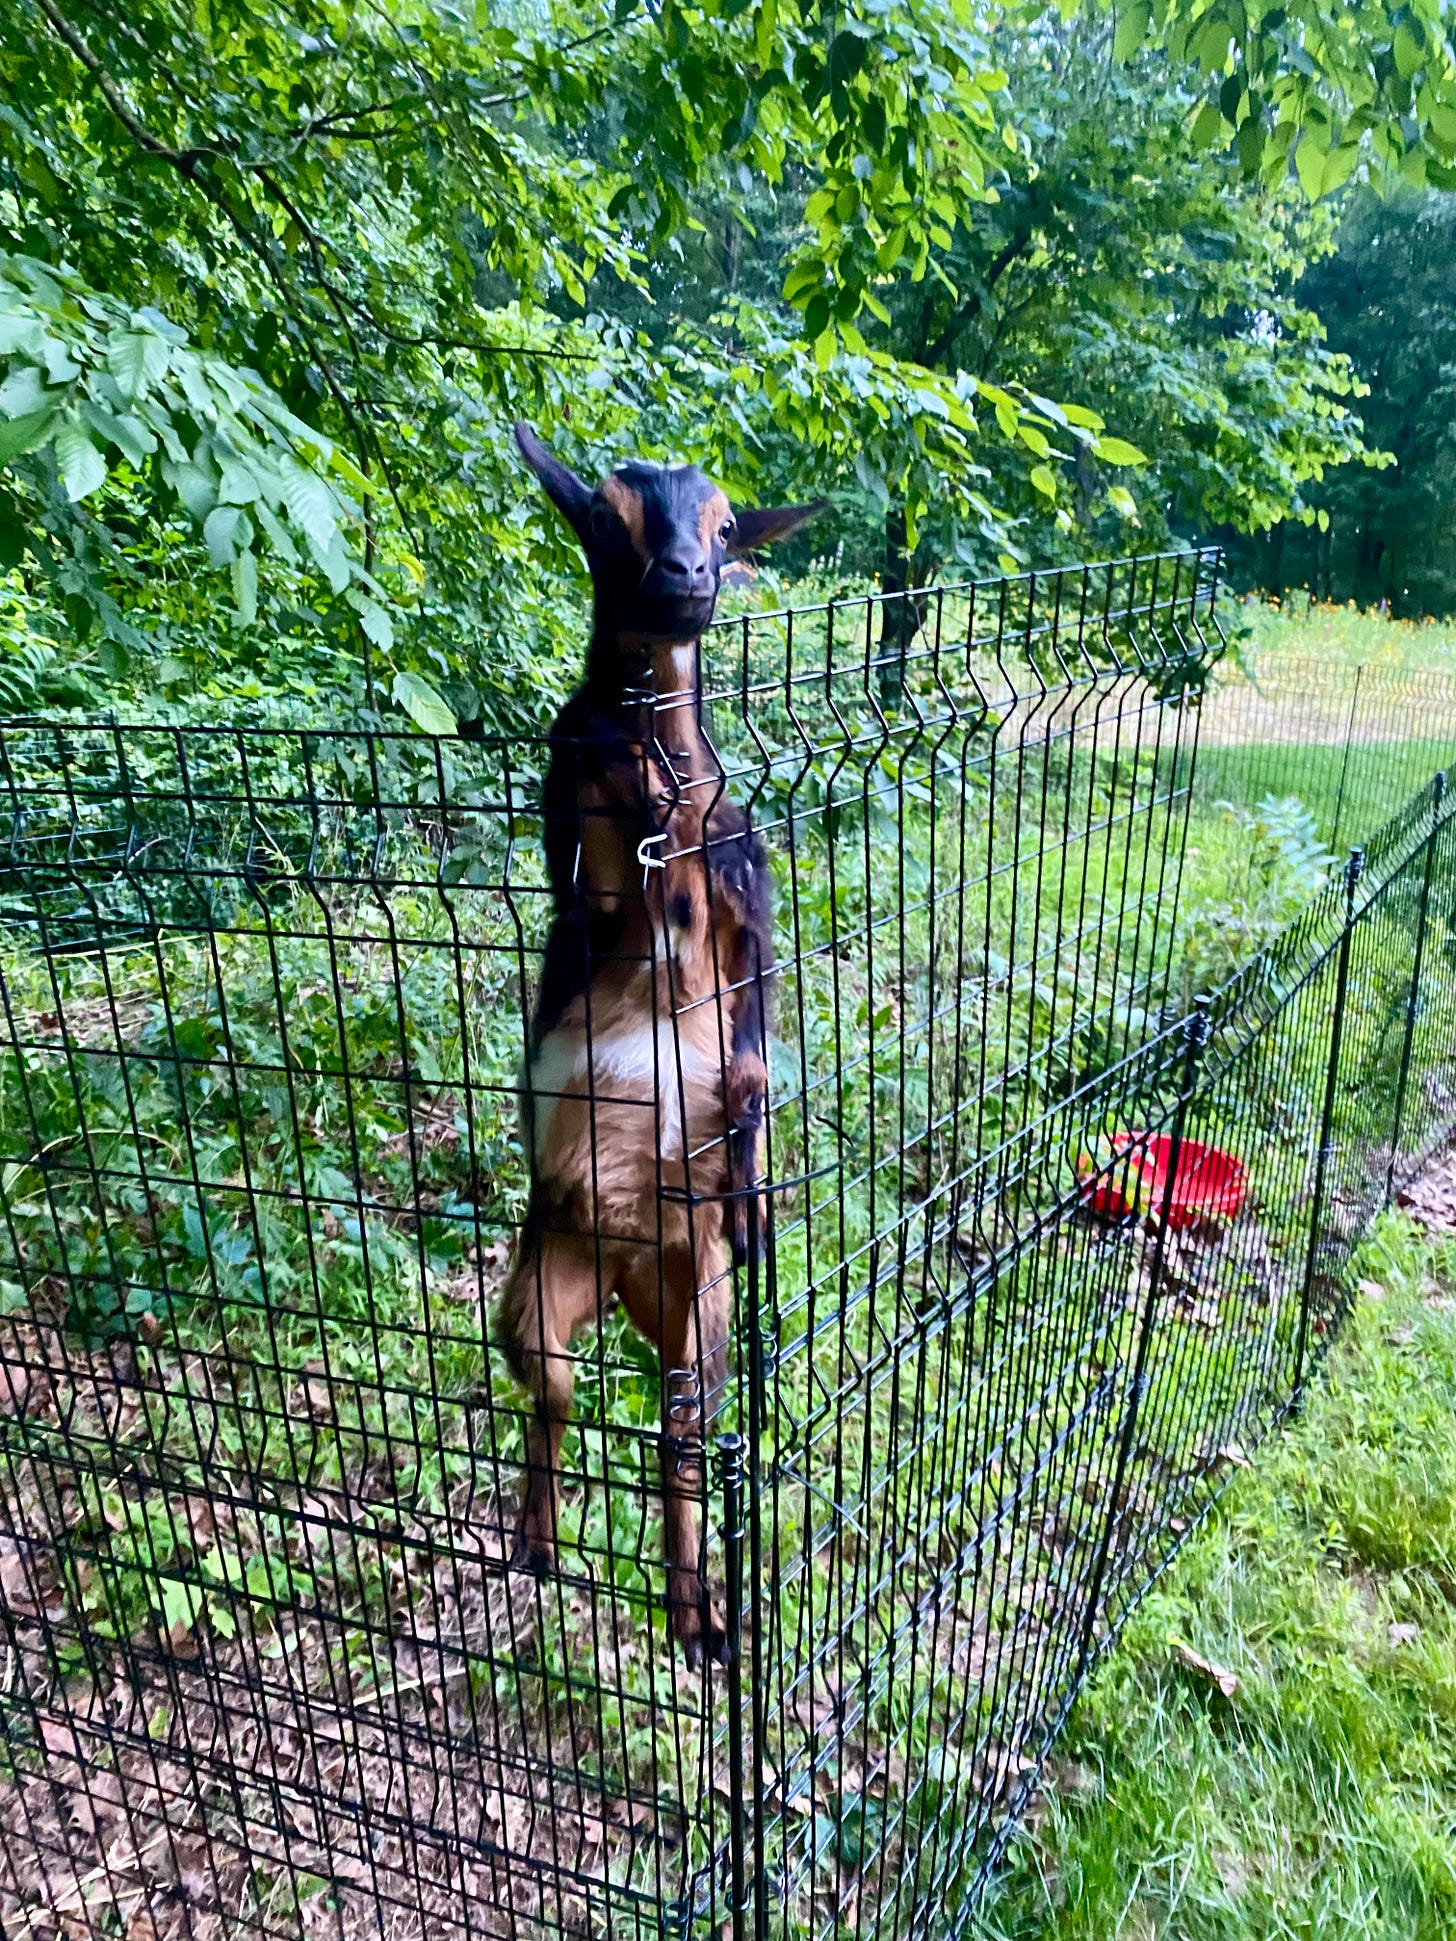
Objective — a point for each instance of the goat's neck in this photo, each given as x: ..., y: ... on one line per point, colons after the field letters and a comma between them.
x: 676, y: 713
x: 669, y: 669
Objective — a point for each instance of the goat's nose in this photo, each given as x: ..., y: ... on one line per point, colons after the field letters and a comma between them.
x: 682, y: 571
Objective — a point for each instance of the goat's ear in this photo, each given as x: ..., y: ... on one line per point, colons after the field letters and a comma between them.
x: 768, y: 524
x: 570, y: 495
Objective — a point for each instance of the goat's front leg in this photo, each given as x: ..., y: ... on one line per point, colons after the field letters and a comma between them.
x: 747, y: 1093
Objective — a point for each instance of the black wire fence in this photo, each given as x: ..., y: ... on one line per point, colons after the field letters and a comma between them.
x: 1350, y: 741
x: 1028, y: 1249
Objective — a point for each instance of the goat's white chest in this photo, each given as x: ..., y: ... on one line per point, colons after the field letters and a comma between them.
x: 634, y: 1076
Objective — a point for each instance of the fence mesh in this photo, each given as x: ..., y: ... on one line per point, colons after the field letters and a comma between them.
x: 1350, y: 741
x: 275, y: 1130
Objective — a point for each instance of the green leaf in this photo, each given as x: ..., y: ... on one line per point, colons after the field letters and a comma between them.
x: 80, y: 464
x: 423, y: 705
x: 1408, y: 50
x: 137, y: 360
x: 24, y: 392
x: 1122, y: 502
x: 1132, y: 30
x: 1117, y: 451
x: 1322, y: 169
x: 21, y: 435
x: 223, y: 533
x: 195, y: 486
x: 1044, y: 480
x: 128, y: 434
x: 245, y: 586
x: 1309, y: 160
x: 239, y: 484
x: 311, y: 505
x: 279, y: 534
x: 1207, y: 125
x: 181, y: 1604
x: 377, y: 625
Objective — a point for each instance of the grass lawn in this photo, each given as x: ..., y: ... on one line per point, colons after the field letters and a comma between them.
x: 1348, y: 713
x: 1348, y: 797
x: 1319, y: 1798
x: 1339, y: 634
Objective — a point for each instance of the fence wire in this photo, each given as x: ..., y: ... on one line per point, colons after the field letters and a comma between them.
x: 1351, y: 742
x: 275, y: 1138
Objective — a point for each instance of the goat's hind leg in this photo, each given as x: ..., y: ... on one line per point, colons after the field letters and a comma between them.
x: 551, y: 1293
x: 686, y: 1310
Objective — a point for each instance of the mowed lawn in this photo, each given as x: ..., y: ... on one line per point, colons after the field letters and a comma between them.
x: 1352, y: 749
x: 1318, y: 1798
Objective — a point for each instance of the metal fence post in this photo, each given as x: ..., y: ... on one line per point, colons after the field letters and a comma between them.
x: 730, y: 1468
x: 1353, y: 871
x: 1345, y: 761
x: 1438, y: 795
x: 1196, y: 1030
x: 762, y: 1359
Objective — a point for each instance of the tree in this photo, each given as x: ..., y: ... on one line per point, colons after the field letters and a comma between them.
x: 1388, y: 300
x: 410, y: 225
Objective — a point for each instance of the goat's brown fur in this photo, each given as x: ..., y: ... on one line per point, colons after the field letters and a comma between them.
x: 645, y: 1093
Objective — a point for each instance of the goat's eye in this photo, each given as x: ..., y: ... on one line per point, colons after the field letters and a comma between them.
x: 727, y: 530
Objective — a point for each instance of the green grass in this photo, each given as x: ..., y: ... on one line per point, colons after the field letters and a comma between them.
x: 1348, y: 797
x: 1320, y: 1798
x: 1345, y: 634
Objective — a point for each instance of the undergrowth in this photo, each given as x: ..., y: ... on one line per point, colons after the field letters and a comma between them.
x: 1319, y: 1798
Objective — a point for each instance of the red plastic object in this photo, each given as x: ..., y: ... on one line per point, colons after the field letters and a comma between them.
x: 1208, y: 1185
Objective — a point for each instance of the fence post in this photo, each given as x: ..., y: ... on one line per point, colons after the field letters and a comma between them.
x: 1196, y: 1030
x: 762, y: 1359
x: 1345, y: 761
x: 1438, y: 795
x: 1353, y: 870
x: 730, y: 1469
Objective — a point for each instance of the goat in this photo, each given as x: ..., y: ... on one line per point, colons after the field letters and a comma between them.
x: 644, y: 1095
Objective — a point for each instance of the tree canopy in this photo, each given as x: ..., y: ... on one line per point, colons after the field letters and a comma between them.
x: 1387, y: 298
x: 1004, y: 281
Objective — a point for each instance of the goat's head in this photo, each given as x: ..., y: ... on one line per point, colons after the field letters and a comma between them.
x: 657, y: 538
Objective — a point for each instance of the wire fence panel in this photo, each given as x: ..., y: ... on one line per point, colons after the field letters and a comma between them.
x: 458, y: 1477
x: 1353, y: 742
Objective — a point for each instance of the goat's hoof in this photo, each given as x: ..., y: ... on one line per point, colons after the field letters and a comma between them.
x: 701, y: 1634
x: 533, y: 1553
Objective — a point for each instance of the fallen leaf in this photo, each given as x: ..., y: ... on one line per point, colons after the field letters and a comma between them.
x: 20, y: 1593
x: 1232, y: 1454
x: 1401, y: 1337
x: 180, y: 1641
x: 1372, y: 1290
x: 16, y: 1388
x: 1400, y: 1634
x: 1226, y: 1681
x: 59, y: 1739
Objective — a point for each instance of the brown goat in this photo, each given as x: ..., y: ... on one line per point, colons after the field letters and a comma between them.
x: 644, y: 1095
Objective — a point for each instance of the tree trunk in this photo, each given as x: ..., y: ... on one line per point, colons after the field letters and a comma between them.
x: 902, y: 613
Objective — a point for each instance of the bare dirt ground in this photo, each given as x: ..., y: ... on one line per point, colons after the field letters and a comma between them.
x: 1431, y: 1200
